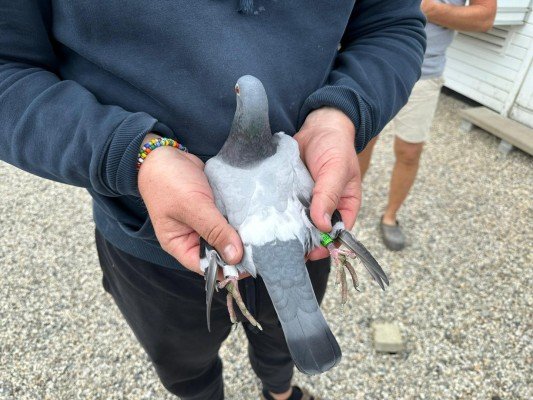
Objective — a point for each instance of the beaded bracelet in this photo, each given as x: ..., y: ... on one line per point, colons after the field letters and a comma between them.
x: 154, y: 144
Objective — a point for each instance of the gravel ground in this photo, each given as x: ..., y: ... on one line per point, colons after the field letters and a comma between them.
x: 459, y: 291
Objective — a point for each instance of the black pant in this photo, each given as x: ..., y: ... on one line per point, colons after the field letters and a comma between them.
x: 166, y: 310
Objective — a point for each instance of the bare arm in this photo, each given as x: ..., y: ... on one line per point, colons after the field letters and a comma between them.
x: 477, y: 16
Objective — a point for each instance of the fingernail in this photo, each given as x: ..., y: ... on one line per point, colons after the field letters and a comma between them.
x: 230, y: 252
x: 327, y: 219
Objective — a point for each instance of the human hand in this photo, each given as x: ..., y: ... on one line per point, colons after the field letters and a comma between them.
x: 181, y: 206
x: 326, y: 142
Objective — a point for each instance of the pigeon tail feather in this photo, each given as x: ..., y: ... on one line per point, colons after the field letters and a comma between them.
x: 311, y: 343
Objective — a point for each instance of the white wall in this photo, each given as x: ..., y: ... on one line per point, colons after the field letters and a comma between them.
x: 522, y: 108
x: 491, y: 68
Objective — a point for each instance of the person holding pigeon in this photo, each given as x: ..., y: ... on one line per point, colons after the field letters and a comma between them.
x: 108, y: 96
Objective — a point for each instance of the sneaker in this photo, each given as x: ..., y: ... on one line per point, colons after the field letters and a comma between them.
x: 297, y: 394
x: 392, y: 236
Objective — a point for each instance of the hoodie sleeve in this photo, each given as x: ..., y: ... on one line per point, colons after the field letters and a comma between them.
x: 56, y: 128
x: 379, y: 62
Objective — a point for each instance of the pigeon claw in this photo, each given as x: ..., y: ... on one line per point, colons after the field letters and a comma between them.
x: 341, y: 261
x: 343, y: 257
x: 232, y: 286
x: 368, y: 261
x: 210, y: 261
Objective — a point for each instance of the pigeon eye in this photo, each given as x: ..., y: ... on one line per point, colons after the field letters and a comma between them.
x: 237, y: 90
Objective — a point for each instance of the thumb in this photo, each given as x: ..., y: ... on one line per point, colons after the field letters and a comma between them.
x: 215, y: 229
x: 327, y: 192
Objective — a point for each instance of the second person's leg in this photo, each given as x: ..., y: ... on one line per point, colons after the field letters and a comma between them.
x: 411, y: 126
x: 403, y: 176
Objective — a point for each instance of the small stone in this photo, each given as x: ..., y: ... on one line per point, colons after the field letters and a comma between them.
x: 387, y: 337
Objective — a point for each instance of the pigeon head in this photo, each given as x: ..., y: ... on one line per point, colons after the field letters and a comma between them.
x: 251, y: 94
x: 251, y: 116
x: 250, y: 139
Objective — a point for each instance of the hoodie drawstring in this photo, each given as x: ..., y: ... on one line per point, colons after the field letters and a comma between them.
x: 246, y: 6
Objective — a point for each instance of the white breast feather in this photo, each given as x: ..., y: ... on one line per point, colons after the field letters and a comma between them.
x: 266, y: 224
x: 276, y: 177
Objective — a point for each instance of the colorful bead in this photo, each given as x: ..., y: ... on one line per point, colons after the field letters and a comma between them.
x: 153, y: 144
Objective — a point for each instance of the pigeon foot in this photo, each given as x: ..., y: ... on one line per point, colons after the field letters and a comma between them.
x: 232, y: 286
x: 341, y: 260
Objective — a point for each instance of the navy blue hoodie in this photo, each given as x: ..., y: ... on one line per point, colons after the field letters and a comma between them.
x: 82, y: 82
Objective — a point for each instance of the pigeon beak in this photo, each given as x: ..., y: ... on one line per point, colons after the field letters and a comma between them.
x: 237, y: 90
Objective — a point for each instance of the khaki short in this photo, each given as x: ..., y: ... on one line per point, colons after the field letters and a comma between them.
x: 414, y: 120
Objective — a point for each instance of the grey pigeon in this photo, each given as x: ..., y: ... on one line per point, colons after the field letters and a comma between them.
x: 263, y: 188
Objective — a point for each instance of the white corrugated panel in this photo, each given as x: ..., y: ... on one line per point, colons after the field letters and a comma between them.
x: 522, y: 110
x: 511, y: 12
x: 490, y: 67
x: 494, y: 39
